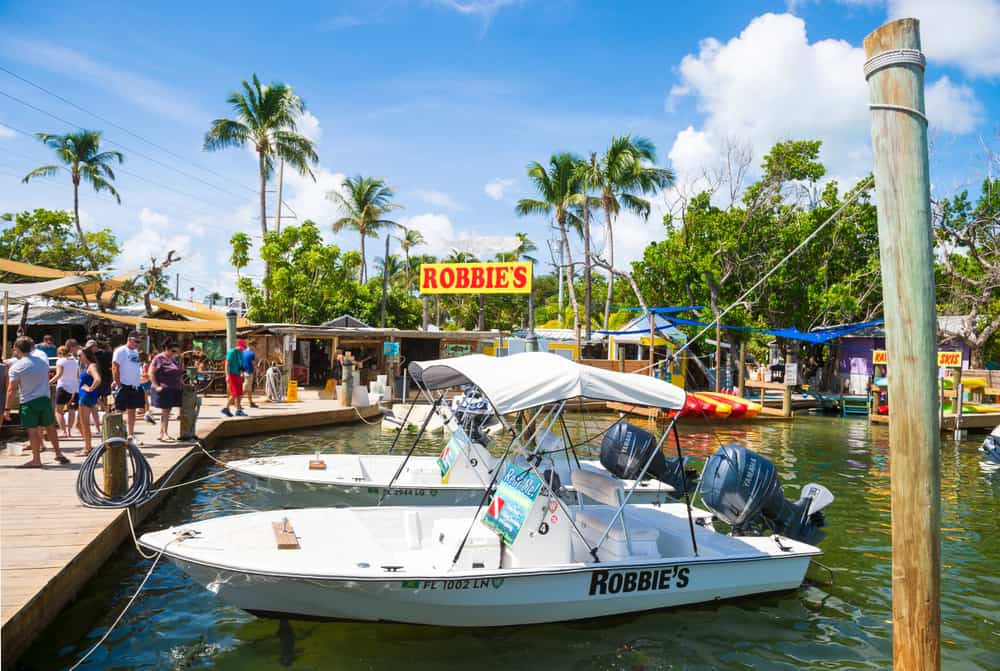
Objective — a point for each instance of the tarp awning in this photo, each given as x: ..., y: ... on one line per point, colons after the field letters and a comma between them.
x: 175, y: 326
x: 530, y: 379
x: 92, y: 287
x: 190, y: 310
x: 25, y: 289
x: 818, y: 336
x: 31, y: 270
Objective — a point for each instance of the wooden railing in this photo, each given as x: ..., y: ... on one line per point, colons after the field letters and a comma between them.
x: 786, y: 396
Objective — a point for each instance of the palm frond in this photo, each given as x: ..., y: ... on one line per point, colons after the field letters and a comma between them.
x: 43, y: 171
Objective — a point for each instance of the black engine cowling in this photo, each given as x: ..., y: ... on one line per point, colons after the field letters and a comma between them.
x: 742, y: 488
x: 990, y: 448
x: 625, y: 450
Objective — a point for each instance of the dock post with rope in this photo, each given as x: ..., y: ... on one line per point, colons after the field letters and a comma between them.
x: 895, y: 75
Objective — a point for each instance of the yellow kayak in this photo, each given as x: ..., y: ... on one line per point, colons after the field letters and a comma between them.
x: 968, y: 383
x: 753, y: 408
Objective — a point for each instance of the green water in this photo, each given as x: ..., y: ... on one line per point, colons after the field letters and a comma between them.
x: 176, y: 624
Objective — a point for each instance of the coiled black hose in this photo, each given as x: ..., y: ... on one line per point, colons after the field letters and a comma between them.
x: 138, y: 492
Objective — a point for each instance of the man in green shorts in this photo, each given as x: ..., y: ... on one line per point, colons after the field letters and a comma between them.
x: 29, y: 379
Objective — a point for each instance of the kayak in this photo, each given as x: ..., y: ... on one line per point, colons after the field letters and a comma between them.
x: 968, y: 383
x: 739, y: 408
x: 719, y: 408
x: 694, y: 407
x: 752, y: 407
x: 972, y: 408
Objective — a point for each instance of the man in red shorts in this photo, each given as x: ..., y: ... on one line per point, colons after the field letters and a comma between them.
x: 234, y: 378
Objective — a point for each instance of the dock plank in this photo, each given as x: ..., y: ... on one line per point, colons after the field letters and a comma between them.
x: 51, y: 545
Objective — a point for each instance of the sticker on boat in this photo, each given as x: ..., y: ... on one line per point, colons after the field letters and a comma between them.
x: 614, y: 582
x: 514, y: 499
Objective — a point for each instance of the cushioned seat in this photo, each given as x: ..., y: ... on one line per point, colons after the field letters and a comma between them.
x: 599, y: 517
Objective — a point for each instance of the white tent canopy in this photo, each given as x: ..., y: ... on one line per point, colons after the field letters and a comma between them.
x: 25, y: 289
x: 527, y: 380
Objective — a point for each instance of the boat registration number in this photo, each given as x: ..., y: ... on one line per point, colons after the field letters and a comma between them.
x: 649, y: 580
x: 403, y: 491
x: 473, y: 583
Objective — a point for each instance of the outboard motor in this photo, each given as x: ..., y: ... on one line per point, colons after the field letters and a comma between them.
x: 743, y: 489
x: 990, y: 449
x: 473, y: 411
x: 625, y: 450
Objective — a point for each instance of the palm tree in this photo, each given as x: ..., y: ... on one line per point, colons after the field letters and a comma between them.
x: 397, y: 268
x: 367, y: 201
x: 411, y: 238
x: 558, y: 187
x: 588, y: 173
x: 266, y: 117
x: 624, y: 169
x: 524, y: 245
x: 80, y: 154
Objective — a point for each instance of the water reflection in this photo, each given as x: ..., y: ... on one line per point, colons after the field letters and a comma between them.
x: 176, y: 624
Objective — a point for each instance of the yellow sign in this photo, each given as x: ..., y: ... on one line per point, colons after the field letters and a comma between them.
x: 476, y: 278
x: 950, y: 359
x: 944, y: 359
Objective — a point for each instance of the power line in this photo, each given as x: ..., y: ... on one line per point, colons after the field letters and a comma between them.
x: 119, y: 144
x: 123, y: 129
x: 126, y: 172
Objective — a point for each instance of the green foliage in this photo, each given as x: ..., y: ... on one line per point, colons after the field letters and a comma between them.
x: 364, y: 205
x: 312, y: 282
x: 713, y: 255
x: 46, y: 238
x: 240, y: 258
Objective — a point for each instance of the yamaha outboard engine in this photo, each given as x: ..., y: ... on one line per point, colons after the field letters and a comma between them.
x: 742, y: 488
x: 990, y: 449
x: 625, y: 450
x: 473, y: 411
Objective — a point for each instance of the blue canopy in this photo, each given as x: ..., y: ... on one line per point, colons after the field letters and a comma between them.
x: 666, y: 310
x: 817, y: 337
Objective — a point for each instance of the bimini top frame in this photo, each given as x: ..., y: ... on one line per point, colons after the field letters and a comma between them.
x: 531, y: 379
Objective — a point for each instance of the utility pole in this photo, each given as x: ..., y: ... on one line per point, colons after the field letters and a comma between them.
x: 177, y: 287
x: 385, y: 280
x: 277, y: 209
x: 895, y: 74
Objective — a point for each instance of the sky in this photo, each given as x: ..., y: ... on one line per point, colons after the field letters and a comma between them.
x: 449, y: 100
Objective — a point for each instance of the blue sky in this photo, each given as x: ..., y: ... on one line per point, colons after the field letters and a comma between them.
x: 450, y: 99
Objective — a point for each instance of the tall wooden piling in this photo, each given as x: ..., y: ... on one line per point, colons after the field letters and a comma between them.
x: 895, y: 75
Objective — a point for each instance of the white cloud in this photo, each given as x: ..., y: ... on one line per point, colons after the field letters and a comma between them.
x: 484, y: 9
x: 437, y: 229
x: 497, y: 188
x: 308, y: 125
x: 964, y: 33
x: 951, y: 107
x: 141, y: 91
x: 437, y: 199
x: 6, y: 132
x: 154, y: 238
x: 307, y: 198
x: 769, y: 84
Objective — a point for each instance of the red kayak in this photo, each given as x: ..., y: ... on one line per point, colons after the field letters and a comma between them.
x: 695, y: 407
x: 739, y: 408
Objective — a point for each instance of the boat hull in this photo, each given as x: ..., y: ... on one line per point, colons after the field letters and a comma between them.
x: 502, y: 598
x: 303, y: 494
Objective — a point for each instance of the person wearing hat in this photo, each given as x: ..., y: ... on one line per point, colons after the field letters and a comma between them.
x: 127, y: 375
x: 234, y: 380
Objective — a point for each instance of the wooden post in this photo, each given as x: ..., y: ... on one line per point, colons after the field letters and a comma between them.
x: 115, y: 464
x: 348, y: 399
x: 786, y: 401
x: 718, y: 355
x: 741, y: 371
x: 6, y: 306
x: 956, y: 406
x: 895, y: 75
x: 652, y: 336
x: 425, y: 316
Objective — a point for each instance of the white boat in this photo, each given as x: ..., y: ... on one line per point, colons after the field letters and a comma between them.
x: 990, y: 450
x: 411, y: 418
x: 304, y: 481
x: 528, y: 556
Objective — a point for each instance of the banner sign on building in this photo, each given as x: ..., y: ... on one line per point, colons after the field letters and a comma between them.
x: 476, y: 278
x: 880, y: 357
x: 944, y: 359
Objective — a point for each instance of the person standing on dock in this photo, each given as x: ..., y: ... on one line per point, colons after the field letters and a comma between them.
x: 234, y: 380
x: 249, y: 369
x: 29, y: 379
x: 127, y: 375
x: 165, y: 376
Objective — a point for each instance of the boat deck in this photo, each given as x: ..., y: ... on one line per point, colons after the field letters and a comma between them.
x: 52, y: 545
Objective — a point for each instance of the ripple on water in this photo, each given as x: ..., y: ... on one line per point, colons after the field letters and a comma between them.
x: 176, y: 624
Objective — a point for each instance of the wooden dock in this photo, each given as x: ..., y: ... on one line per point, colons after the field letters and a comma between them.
x: 51, y: 545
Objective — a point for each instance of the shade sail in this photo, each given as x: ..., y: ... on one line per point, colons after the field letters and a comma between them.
x: 92, y: 287
x: 527, y: 380
x: 190, y: 310
x: 175, y: 326
x: 25, y: 289
x: 31, y: 270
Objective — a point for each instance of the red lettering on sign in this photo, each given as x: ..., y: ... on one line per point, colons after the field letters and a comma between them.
x: 501, y: 277
x: 447, y: 278
x: 478, y: 280
x: 462, y: 275
x: 520, y: 277
x: 430, y: 278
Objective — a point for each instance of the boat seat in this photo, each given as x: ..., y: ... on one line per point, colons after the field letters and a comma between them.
x: 627, y: 537
x: 599, y: 517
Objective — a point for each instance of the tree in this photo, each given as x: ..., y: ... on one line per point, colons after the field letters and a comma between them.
x: 557, y: 188
x: 397, y: 269
x: 589, y: 174
x: 968, y: 239
x: 266, y: 117
x: 411, y: 238
x: 240, y: 258
x: 625, y: 169
x: 80, y: 154
x: 364, y: 206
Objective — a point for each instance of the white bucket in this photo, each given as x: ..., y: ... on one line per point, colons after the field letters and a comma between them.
x: 14, y: 449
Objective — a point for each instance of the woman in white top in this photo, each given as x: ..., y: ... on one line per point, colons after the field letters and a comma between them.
x: 67, y: 380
